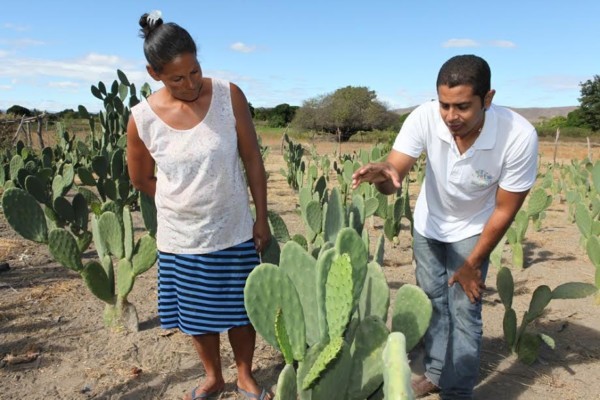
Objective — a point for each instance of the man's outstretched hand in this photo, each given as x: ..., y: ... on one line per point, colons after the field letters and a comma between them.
x: 376, y: 173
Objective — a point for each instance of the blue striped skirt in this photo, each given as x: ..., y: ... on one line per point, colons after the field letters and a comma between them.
x: 204, y: 293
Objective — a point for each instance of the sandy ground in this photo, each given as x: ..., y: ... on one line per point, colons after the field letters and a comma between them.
x: 48, y: 317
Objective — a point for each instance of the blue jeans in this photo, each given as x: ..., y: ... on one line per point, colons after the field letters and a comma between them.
x: 453, y: 340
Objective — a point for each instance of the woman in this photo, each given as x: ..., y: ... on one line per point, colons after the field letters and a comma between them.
x: 183, y: 148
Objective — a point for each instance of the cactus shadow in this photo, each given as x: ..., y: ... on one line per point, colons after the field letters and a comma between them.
x: 151, y: 323
x: 146, y: 386
x: 30, y: 276
x: 503, y: 376
x: 533, y: 254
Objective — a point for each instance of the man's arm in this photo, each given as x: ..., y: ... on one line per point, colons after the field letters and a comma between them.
x: 469, y: 275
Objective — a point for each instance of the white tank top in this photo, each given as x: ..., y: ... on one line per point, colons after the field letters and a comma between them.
x: 201, y: 195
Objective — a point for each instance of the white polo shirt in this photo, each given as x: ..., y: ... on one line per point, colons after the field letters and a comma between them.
x: 459, y: 192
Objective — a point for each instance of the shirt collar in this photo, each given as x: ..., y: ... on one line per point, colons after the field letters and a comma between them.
x: 487, y: 137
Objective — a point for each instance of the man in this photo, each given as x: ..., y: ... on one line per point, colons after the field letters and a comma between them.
x: 481, y: 163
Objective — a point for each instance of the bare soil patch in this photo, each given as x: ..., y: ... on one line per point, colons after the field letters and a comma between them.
x: 53, y: 344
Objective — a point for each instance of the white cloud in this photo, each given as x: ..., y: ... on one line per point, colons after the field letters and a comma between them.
x: 502, y: 43
x: 475, y: 43
x: 64, y: 84
x: 15, y: 27
x: 5, y: 87
x: 21, y: 43
x: 460, y: 43
x: 242, y: 47
x: 95, y: 58
x: 67, y: 77
x: 559, y: 82
x: 91, y: 68
x: 3, y: 53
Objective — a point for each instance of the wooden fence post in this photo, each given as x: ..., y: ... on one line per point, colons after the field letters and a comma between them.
x: 556, y: 145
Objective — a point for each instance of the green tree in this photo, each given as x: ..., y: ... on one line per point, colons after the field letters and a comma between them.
x: 590, y: 103
x: 281, y: 115
x: 345, y: 112
x: 19, y: 110
x: 575, y: 119
x: 276, y: 117
x: 261, y: 114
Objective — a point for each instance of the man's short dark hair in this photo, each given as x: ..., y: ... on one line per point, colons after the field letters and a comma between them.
x: 466, y: 70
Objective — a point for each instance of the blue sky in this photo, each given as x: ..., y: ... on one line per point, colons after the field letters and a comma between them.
x: 288, y: 52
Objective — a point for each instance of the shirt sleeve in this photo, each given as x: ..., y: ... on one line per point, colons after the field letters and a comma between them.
x: 411, y: 139
x: 520, y: 169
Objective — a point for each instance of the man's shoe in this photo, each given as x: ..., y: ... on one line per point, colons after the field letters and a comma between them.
x: 422, y: 386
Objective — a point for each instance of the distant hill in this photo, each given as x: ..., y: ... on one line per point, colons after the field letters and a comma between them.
x: 536, y: 114
x: 532, y: 114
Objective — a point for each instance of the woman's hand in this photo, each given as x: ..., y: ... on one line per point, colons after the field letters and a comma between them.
x: 261, y: 234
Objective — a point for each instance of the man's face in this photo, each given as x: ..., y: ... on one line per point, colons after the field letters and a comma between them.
x: 462, y: 111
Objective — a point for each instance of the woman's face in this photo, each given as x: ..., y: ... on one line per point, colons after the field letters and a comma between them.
x: 182, y: 77
x: 462, y: 110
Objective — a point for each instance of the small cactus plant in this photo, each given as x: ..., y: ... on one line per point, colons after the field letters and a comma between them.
x: 522, y: 342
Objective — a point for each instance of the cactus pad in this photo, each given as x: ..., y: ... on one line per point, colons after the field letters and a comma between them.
x: 397, y: 373
x: 95, y: 278
x: 338, y: 296
x: 64, y: 249
x: 325, y: 357
x: 144, y: 254
x: 267, y: 290
x: 411, y: 314
x: 25, y: 215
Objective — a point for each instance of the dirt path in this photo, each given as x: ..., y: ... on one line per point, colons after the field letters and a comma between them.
x: 48, y: 315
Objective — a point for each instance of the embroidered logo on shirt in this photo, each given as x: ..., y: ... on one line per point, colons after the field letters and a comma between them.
x: 481, y: 178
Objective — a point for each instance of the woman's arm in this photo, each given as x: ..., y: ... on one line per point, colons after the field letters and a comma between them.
x: 255, y: 169
x: 140, y: 163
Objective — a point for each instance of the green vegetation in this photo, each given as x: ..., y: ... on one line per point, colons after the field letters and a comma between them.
x: 327, y: 315
x: 590, y: 103
x: 320, y: 296
x: 327, y: 207
x: 276, y: 117
x: 581, y: 122
x: 51, y: 196
x: 345, y: 112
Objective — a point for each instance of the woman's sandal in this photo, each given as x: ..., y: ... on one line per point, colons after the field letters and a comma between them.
x: 251, y: 396
x: 203, y: 395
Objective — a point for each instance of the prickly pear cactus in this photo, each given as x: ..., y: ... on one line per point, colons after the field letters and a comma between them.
x: 411, y: 314
x: 350, y: 299
x: 397, y: 373
x: 338, y: 296
x: 24, y: 215
x: 286, y: 384
x: 366, y: 351
x: 325, y: 357
x: 267, y: 290
x: 526, y: 344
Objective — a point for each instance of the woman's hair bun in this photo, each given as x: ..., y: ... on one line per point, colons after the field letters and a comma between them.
x: 149, y: 22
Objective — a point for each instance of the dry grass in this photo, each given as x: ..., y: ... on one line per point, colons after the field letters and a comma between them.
x: 7, y: 246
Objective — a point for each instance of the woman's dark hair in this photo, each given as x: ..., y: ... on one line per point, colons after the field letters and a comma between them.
x: 164, y: 42
x: 466, y: 70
